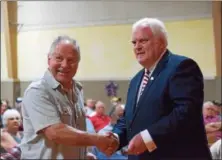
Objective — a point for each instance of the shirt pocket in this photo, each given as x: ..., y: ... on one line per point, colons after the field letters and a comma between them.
x: 65, y: 113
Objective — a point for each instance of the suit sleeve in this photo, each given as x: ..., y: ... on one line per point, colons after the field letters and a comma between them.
x: 120, y: 129
x: 185, y: 90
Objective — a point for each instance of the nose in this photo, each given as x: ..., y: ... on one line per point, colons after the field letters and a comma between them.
x: 138, y: 46
x: 64, y: 63
x: 16, y: 119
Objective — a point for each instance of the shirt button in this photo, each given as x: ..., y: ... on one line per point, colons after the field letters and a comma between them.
x: 130, y: 129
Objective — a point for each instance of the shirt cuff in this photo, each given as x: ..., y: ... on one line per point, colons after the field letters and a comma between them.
x: 150, y: 145
x: 117, y: 136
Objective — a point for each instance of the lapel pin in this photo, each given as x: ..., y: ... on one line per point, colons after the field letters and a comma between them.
x: 151, y: 78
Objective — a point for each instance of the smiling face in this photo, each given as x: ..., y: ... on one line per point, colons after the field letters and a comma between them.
x: 147, y: 47
x: 63, y: 63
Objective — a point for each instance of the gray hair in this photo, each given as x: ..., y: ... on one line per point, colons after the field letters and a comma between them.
x: 60, y: 39
x: 208, y: 103
x: 157, y: 27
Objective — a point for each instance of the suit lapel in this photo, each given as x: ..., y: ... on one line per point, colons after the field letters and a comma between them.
x: 136, y: 89
x: 160, y: 66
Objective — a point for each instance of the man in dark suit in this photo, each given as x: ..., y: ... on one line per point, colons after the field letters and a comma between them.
x: 163, y: 113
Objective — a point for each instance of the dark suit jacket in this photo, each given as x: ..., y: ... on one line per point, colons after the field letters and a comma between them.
x: 170, y: 108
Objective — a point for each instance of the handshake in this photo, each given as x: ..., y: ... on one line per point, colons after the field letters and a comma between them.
x: 107, y: 143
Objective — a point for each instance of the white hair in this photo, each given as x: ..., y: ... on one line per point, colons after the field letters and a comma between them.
x: 10, y: 113
x: 99, y: 103
x: 157, y: 27
x: 208, y: 103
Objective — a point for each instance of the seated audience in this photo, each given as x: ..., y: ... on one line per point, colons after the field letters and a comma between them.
x: 218, y: 108
x: 11, y: 122
x: 210, y: 113
x: 100, y: 119
x: 18, y: 106
x: 212, y: 122
x: 118, y: 112
x: 114, y: 102
x: 90, y: 107
x: 107, y: 128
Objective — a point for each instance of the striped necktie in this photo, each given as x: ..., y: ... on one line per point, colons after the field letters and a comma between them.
x: 144, y: 82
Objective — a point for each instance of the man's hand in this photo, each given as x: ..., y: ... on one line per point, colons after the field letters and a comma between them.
x: 108, y: 143
x: 136, y: 145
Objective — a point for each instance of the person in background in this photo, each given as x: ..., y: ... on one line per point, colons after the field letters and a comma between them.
x: 100, y: 119
x: 11, y: 122
x: 218, y: 108
x: 18, y: 105
x: 114, y: 102
x: 4, y: 106
x: 90, y: 107
x: 1, y: 125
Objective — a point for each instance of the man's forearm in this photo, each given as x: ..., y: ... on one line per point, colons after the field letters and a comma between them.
x: 64, y: 134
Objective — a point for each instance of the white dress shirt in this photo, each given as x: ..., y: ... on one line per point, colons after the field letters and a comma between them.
x: 150, y: 144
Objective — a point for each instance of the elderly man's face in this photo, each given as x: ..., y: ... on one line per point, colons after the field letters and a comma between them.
x: 63, y: 63
x: 147, y: 48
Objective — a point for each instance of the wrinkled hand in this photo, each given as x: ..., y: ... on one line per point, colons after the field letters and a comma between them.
x: 136, y: 145
x: 90, y: 156
x: 108, y: 143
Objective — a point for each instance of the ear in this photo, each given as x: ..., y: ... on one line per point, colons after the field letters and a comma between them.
x: 49, y: 57
x: 161, y: 42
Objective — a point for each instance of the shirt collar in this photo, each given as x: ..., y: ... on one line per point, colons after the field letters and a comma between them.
x: 50, y: 79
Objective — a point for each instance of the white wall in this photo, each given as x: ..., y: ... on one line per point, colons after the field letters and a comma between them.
x: 40, y: 15
x: 47, y: 14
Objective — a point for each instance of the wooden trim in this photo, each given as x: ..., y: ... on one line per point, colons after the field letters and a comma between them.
x: 216, y: 12
x: 10, y: 35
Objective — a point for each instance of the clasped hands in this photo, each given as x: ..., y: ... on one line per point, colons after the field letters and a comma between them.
x: 109, y: 143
